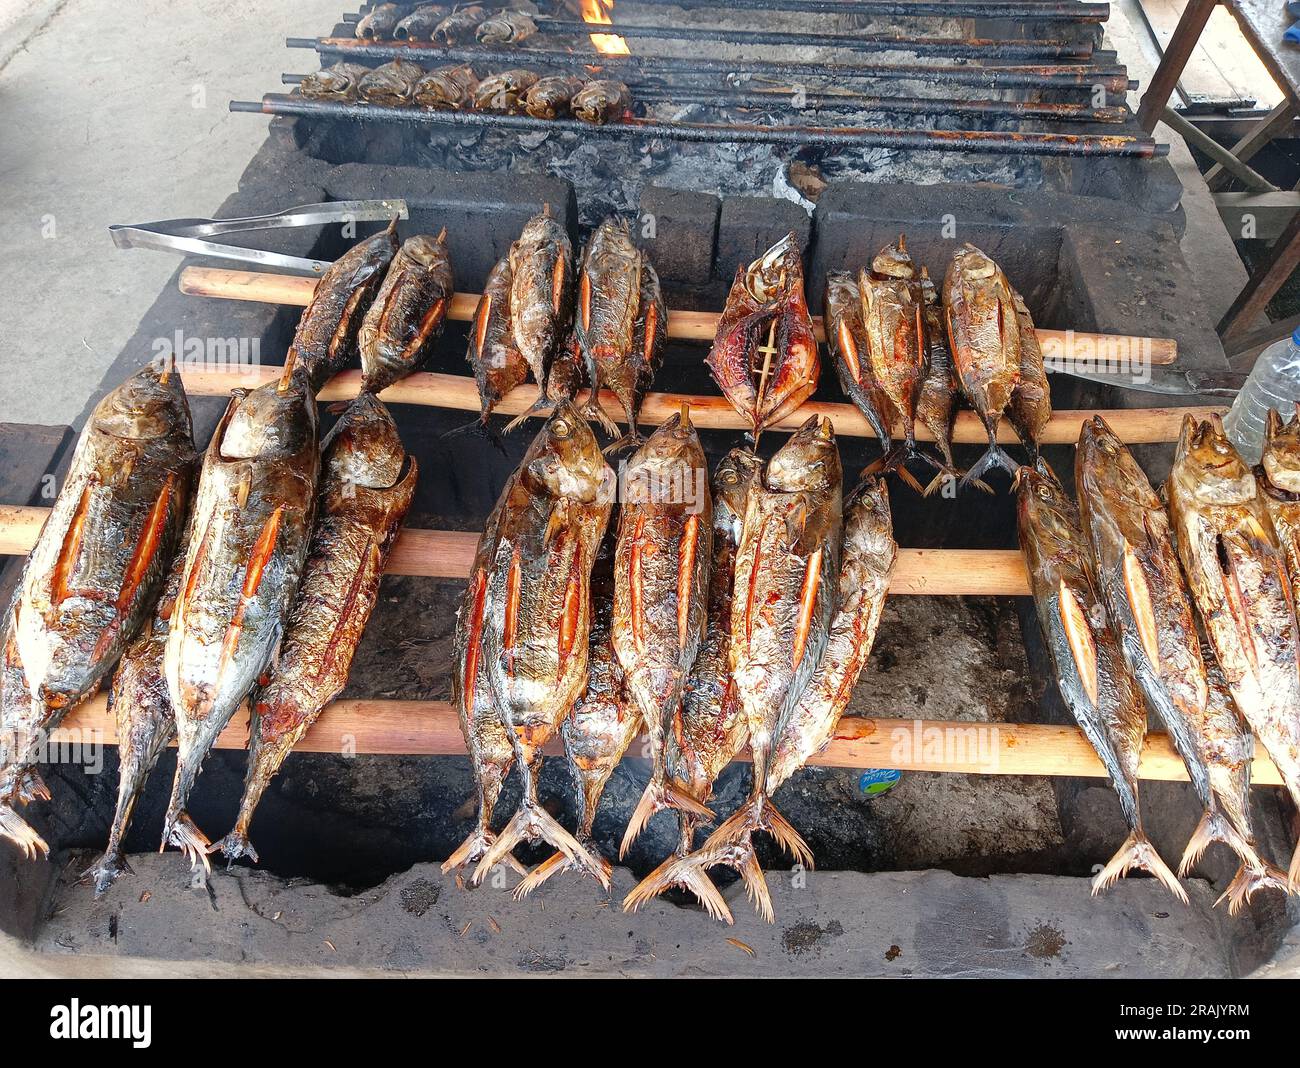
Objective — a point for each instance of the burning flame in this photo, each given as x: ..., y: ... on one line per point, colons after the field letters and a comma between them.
x: 608, y: 43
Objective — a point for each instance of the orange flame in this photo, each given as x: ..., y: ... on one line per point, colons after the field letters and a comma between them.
x: 608, y: 43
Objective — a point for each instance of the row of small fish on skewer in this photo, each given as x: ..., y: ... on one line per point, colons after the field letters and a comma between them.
x: 450, y: 24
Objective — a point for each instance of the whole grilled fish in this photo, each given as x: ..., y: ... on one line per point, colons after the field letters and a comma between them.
x: 764, y: 355
x: 420, y: 23
x: 1031, y: 401
x: 537, y: 611
x: 380, y: 23
x: 504, y: 93
x: 392, y: 85
x: 1090, y: 671
x: 93, y: 576
x: 600, y: 101
x: 406, y: 318
x: 505, y: 27
x: 447, y: 87
x: 984, y: 337
x: 498, y: 364
x: 367, y: 482
x: 146, y: 725
x: 868, y: 560
x: 326, y: 336
x: 661, y: 581
x: 1278, y: 476
x: 936, y: 404
x: 1237, y: 575
x: 459, y: 26
x: 552, y: 96
x: 568, y: 372
x: 251, y: 529
x: 846, y: 339
x: 338, y: 82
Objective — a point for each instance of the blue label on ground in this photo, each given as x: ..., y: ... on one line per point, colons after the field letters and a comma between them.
x: 878, y: 780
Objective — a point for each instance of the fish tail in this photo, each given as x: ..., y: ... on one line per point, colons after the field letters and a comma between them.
x: 104, y: 872
x: 184, y: 834
x: 538, y: 408
x: 687, y: 873
x: 593, y: 410
x: 20, y: 832
x: 994, y: 456
x: 786, y: 836
x: 472, y: 850
x: 480, y: 428
x: 1137, y: 852
x: 756, y: 886
x: 553, y: 865
x: 234, y: 846
x: 1248, y: 881
x: 31, y: 787
x: 658, y: 796
x: 1215, y: 827
x: 528, y: 824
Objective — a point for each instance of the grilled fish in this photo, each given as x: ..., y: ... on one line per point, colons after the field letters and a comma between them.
x: 846, y: 339
x: 1090, y: 671
x: 459, y: 26
x: 447, y: 87
x: 1237, y: 575
x: 327, y: 332
x: 1278, y: 476
x: 392, y: 85
x: 505, y: 27
x: 504, y: 93
x: 498, y: 364
x: 338, y: 82
x: 568, y: 373
x: 936, y: 404
x: 1031, y: 401
x: 984, y: 337
x: 661, y: 581
x: 764, y: 355
x: 601, y: 101
x: 420, y: 23
x: 367, y: 482
x: 552, y: 96
x: 406, y: 318
x: 380, y: 23
x: 537, y: 610
x: 93, y: 576
x: 252, y: 525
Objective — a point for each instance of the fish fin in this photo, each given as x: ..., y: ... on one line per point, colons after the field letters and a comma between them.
x: 1248, y: 881
x: 528, y: 824
x: 20, y: 832
x: 31, y: 787
x: 479, y: 429
x: 1214, y: 827
x: 593, y: 411
x: 756, y: 886
x: 538, y: 408
x: 104, y: 872
x: 786, y: 836
x: 471, y: 851
x: 632, y: 439
x: 185, y: 835
x: 687, y: 873
x: 657, y: 797
x: 994, y: 456
x: 555, y: 864
x: 1137, y: 852
x: 234, y: 846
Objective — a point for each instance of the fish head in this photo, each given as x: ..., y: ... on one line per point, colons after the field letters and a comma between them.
x: 541, y: 229
x: 150, y: 404
x: 868, y: 526
x: 1108, y: 464
x: 670, y: 464
x: 363, y: 448
x: 1044, y: 504
x: 809, y: 461
x: 565, y: 460
x: 1281, y: 458
x: 428, y: 252
x: 734, y: 476
x: 893, y: 261
x: 972, y: 263
x: 929, y: 291
x: 277, y: 419
x: 775, y: 272
x: 1208, y: 468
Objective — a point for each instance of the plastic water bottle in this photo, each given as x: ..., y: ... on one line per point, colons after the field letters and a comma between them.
x: 1274, y: 382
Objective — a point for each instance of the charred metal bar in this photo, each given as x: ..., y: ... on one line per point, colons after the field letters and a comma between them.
x: 982, y: 141
x: 1111, y: 79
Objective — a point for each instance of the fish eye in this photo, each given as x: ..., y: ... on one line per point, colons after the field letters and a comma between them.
x: 730, y: 478
x: 1045, y: 492
x: 560, y: 429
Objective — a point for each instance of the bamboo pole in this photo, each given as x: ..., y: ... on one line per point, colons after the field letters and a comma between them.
x: 425, y: 728
x: 449, y: 554
x: 268, y: 288
x: 1136, y: 426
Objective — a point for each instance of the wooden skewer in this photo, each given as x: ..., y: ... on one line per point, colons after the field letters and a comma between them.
x: 449, y: 554
x: 1136, y: 426
x: 430, y: 728
x: 268, y: 288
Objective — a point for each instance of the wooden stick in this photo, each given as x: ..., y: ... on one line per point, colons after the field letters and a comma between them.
x: 267, y: 288
x: 449, y: 554
x: 430, y: 728
x: 1136, y: 426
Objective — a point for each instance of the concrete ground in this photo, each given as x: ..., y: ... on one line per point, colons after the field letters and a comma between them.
x: 116, y: 113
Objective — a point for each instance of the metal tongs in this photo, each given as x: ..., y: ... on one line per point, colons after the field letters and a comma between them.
x: 189, y: 236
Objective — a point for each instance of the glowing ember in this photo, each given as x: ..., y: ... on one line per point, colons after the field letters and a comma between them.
x: 608, y: 43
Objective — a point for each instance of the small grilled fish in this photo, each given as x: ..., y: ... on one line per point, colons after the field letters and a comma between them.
x: 534, y: 629
x: 504, y: 92
x: 936, y: 405
x: 846, y: 339
x: 92, y: 577
x: 392, y: 85
x: 1090, y: 671
x: 1237, y: 575
x: 326, y: 337
x: 447, y: 88
x: 661, y: 581
x: 406, y: 318
x: 251, y: 529
x: 568, y: 373
x: 541, y: 297
x: 459, y: 26
x: 1031, y: 401
x: 338, y: 82
x: 380, y: 23
x: 420, y: 23
x: 498, y: 364
x: 764, y: 355
x: 601, y: 101
x: 551, y: 96
x: 984, y: 337
x: 505, y: 27
x: 367, y: 482
x: 1278, y: 476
